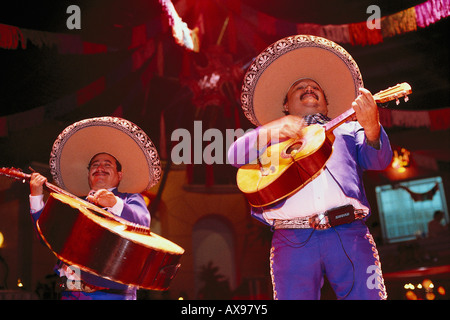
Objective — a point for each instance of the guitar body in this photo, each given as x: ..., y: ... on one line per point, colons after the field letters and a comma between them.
x: 105, y: 247
x: 286, y: 167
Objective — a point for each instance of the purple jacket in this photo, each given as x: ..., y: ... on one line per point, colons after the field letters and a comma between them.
x: 351, y: 156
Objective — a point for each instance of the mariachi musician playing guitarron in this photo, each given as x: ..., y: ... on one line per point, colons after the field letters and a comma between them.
x: 295, y: 82
x: 118, y: 169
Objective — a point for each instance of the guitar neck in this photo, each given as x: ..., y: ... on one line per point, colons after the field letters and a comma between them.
x: 392, y: 93
x: 50, y: 186
x: 56, y: 189
x: 130, y: 226
x: 336, y: 122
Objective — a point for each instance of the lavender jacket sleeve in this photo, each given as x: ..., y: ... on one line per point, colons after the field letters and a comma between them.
x: 244, y: 150
x: 135, y: 208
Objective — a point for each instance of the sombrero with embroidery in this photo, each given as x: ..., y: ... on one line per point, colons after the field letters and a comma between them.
x: 129, y: 144
x: 273, y: 72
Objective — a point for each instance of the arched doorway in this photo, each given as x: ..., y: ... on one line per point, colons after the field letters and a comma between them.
x: 214, y: 257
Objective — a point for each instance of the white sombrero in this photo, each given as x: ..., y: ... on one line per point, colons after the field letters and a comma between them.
x: 273, y: 71
x: 79, y: 142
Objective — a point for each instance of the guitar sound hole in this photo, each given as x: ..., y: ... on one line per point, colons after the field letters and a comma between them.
x: 294, y: 148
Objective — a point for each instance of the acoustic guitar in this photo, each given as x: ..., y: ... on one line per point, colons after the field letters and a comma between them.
x: 97, y: 241
x: 286, y: 167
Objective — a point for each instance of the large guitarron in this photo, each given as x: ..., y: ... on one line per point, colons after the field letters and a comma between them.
x: 298, y: 161
x: 82, y: 234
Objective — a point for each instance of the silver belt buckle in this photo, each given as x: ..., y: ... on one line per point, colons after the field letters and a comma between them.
x: 319, y: 221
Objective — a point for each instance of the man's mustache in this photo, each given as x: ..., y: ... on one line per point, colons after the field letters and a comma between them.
x: 309, y: 92
x: 100, y: 172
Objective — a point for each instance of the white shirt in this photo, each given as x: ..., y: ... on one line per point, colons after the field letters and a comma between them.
x: 323, y: 193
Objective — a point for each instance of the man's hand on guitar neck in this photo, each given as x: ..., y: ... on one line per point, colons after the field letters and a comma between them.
x: 288, y: 127
x: 37, y: 182
x: 366, y: 111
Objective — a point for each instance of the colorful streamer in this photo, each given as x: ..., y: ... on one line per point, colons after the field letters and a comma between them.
x: 180, y: 31
x: 401, y: 22
x: 142, y: 47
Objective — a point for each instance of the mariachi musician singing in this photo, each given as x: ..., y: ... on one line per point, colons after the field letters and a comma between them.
x: 119, y: 167
x: 295, y: 82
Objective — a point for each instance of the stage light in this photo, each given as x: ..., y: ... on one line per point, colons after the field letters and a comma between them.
x: 409, y: 286
x: 427, y: 284
x: 430, y: 296
x: 410, y: 295
x: 400, y: 160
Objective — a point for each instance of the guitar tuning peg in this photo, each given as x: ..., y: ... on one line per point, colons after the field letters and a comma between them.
x: 397, y: 101
x: 406, y: 99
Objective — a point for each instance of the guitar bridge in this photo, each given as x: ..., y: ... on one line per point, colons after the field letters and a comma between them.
x: 265, y: 171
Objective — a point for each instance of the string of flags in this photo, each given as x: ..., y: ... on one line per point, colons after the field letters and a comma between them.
x: 398, y: 23
x: 143, y: 47
x: 422, y: 15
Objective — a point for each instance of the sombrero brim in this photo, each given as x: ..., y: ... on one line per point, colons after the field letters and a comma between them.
x: 272, y: 73
x: 79, y: 142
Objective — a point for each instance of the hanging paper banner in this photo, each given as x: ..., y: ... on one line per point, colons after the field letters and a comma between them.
x: 422, y: 196
x: 399, y: 23
x: 438, y: 119
x: 408, y: 20
x: 90, y: 91
x: 10, y: 37
x: 356, y: 33
x: 431, y: 12
x: 24, y: 120
x: 180, y: 31
x: 337, y: 33
x: 360, y: 34
x: 410, y: 119
x: 139, y: 61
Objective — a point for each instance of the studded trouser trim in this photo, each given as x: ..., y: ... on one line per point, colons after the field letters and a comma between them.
x: 271, y: 274
x: 379, y: 279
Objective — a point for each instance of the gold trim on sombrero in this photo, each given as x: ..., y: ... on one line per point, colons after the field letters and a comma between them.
x: 129, y: 144
x: 302, y: 56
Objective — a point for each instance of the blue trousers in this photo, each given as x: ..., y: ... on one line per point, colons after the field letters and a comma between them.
x: 97, y: 295
x: 346, y: 254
